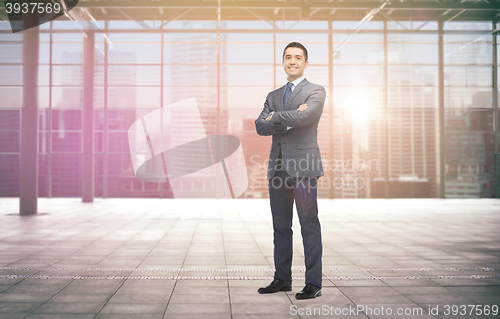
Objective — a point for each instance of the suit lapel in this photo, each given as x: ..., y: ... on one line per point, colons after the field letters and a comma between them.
x: 295, y: 92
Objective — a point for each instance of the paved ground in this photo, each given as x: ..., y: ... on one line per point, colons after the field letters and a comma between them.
x: 152, y: 258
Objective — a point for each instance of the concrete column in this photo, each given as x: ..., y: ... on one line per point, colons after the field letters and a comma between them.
x: 28, y: 187
x: 88, y: 118
x: 387, y: 117
x: 442, y: 137
x: 496, y: 117
x: 331, y: 131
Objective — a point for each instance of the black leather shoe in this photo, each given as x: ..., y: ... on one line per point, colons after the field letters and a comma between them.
x: 275, y: 286
x: 309, y: 291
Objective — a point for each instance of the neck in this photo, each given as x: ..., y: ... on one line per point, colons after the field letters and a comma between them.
x: 291, y: 79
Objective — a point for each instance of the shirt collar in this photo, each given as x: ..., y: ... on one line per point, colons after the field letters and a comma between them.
x: 296, y: 82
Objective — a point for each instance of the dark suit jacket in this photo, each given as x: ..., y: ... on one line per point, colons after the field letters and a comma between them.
x: 299, y: 145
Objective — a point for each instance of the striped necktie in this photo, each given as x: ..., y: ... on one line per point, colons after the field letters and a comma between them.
x: 288, y: 92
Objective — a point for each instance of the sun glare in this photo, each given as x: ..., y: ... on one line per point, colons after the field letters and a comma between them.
x: 359, y: 111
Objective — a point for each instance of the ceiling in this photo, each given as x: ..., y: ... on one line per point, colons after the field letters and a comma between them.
x: 293, y: 10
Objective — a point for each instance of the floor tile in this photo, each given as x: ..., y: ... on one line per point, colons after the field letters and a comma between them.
x: 134, y: 308
x: 70, y: 307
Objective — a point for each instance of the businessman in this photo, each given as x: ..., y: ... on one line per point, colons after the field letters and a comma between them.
x: 291, y: 115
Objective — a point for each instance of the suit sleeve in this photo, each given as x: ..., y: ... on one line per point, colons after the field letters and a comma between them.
x: 265, y: 128
x: 315, y: 103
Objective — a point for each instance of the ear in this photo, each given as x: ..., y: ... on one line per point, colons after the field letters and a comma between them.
x: 307, y: 63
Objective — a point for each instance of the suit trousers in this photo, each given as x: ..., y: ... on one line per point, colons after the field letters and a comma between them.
x: 283, y: 191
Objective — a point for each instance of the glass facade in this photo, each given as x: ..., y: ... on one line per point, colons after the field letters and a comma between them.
x: 383, y: 99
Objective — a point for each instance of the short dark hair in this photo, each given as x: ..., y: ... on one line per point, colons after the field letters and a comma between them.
x: 296, y: 45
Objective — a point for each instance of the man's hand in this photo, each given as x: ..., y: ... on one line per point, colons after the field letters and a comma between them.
x: 268, y: 118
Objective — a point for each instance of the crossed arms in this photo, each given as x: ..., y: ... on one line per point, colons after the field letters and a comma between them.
x: 294, y: 118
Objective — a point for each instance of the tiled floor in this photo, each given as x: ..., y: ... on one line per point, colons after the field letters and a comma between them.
x: 152, y: 258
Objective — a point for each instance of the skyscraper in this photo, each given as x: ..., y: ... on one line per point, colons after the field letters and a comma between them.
x: 412, y: 136
x: 194, y: 71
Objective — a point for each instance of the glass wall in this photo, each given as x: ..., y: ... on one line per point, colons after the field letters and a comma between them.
x: 358, y: 111
x: 413, y: 114
x: 382, y: 85
x: 470, y: 139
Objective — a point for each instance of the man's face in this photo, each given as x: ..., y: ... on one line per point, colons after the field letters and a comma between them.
x: 294, y: 63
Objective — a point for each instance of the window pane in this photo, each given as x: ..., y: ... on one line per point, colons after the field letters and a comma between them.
x: 67, y: 75
x: 191, y: 53
x: 357, y: 75
x: 413, y: 97
x: 43, y: 74
x: 66, y: 164
x: 134, y: 97
x: 469, y: 162
x: 412, y: 53
x: 133, y: 74
x: 67, y: 97
x: 43, y: 142
x: 120, y: 165
x: 9, y: 175
x: 246, y: 53
x: 11, y: 74
x: 118, y: 142
x: 66, y: 120
x: 464, y: 52
x: 206, y: 96
x: 467, y: 97
x: 254, y: 97
x: 413, y: 75
x: 67, y: 53
x: 468, y: 76
x: 10, y: 97
x: 190, y: 74
x: 131, y: 53
x: 251, y: 75
x: 366, y: 53
x: 10, y: 120
x: 121, y: 120
x: 66, y: 185
x: 64, y: 141
x: 10, y: 141
x: 469, y: 120
x: 11, y: 53
x: 346, y: 97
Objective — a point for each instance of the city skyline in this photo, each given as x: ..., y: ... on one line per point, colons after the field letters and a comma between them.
x: 219, y: 68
